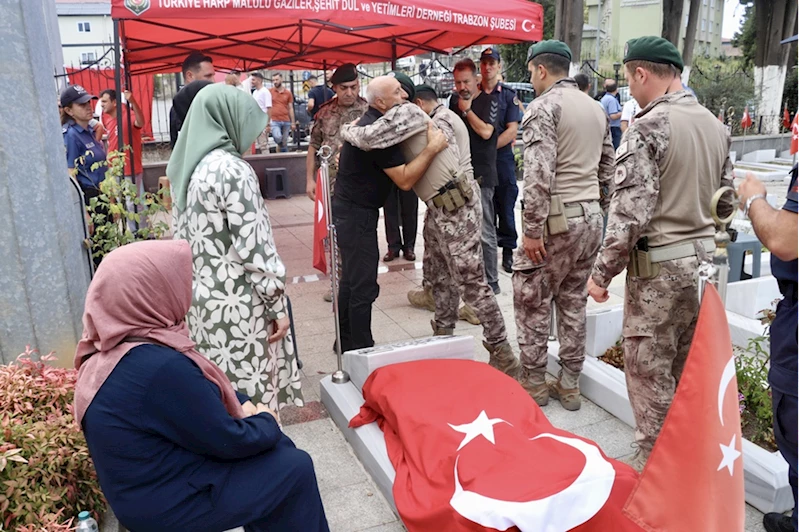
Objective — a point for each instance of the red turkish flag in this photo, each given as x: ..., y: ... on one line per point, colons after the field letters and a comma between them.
x: 746, y: 120
x: 472, y: 451
x: 795, y: 134
x: 721, y: 117
x: 319, y: 228
x: 694, y: 478
x: 786, y: 118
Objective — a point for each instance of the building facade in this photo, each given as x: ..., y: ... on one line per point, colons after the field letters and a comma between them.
x: 622, y: 20
x: 87, y: 32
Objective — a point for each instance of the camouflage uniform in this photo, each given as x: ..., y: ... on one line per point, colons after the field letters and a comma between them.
x: 326, y: 131
x: 453, y: 249
x: 562, y: 277
x: 674, y: 156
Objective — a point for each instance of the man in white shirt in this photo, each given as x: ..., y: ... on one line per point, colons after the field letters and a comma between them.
x: 264, y: 99
x: 628, y: 113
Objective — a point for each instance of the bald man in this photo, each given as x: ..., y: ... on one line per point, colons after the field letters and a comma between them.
x: 362, y: 185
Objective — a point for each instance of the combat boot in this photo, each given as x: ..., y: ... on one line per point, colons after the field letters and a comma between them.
x: 567, y: 390
x: 441, y: 331
x: 466, y: 313
x: 636, y: 460
x: 422, y: 299
x: 501, y: 357
x: 535, y: 384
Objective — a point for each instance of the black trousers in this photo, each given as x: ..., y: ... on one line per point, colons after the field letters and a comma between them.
x: 783, y: 386
x: 356, y: 235
x: 401, y: 209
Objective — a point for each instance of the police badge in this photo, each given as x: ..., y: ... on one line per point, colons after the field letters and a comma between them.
x: 137, y: 7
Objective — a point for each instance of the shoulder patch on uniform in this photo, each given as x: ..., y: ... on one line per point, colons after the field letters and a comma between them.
x: 620, y: 175
x: 622, y: 150
x: 516, y: 101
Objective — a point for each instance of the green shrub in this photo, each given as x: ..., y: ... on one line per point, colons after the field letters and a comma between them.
x: 46, y: 474
x: 109, y: 212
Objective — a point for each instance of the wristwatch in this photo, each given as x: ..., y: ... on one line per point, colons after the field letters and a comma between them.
x: 465, y: 113
x: 750, y: 201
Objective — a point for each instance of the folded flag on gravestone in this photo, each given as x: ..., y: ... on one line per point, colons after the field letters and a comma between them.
x: 694, y: 478
x: 472, y: 451
x: 319, y: 227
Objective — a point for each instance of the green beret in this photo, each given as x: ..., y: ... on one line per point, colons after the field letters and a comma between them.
x: 344, y: 74
x: 653, y: 49
x: 549, y: 47
x: 405, y: 81
x: 424, y: 88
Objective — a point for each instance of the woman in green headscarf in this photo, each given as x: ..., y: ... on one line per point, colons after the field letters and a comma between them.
x: 238, y: 316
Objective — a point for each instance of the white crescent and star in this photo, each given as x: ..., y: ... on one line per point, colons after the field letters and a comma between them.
x: 729, y: 454
x: 525, y: 23
x: 482, y: 426
x: 320, y: 211
x: 584, y: 497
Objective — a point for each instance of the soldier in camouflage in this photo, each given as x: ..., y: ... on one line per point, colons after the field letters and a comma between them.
x: 344, y: 108
x: 568, y: 159
x: 670, y: 162
x: 453, y: 249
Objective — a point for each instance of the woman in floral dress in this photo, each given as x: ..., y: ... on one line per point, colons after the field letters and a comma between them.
x: 238, y: 315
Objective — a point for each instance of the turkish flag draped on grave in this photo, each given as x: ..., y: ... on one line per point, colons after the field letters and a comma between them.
x: 795, y: 134
x: 319, y: 227
x: 694, y: 478
x: 746, y: 120
x: 472, y: 451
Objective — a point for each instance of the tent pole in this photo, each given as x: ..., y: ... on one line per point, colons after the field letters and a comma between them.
x: 118, y: 82
x: 393, y: 55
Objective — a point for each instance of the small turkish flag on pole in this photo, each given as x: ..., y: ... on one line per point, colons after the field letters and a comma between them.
x: 746, y: 120
x: 319, y: 228
x: 694, y: 479
x: 721, y: 117
x: 786, y: 118
x: 795, y: 134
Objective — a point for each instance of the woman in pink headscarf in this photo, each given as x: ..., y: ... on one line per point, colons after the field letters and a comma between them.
x: 173, y: 447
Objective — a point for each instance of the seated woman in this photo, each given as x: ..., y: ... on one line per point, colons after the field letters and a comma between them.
x: 174, y: 447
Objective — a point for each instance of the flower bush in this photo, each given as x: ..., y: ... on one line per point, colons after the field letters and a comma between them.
x: 46, y: 474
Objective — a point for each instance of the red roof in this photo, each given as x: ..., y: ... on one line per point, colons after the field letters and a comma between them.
x: 305, y: 34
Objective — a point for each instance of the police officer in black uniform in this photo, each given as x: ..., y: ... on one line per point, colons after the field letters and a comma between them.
x: 508, y: 120
x: 777, y: 230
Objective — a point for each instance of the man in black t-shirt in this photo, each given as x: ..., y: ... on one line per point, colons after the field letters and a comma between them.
x: 480, y: 112
x: 318, y: 95
x: 362, y: 186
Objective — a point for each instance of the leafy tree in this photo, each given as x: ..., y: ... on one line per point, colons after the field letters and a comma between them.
x: 746, y: 38
x: 514, y: 56
x: 723, y: 85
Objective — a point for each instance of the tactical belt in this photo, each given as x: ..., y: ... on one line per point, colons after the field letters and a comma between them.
x: 575, y: 210
x: 645, y: 261
x: 680, y: 250
x: 454, y: 195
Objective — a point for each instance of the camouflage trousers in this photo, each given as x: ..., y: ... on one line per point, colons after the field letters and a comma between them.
x: 659, y: 321
x: 562, y: 279
x: 453, y: 263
